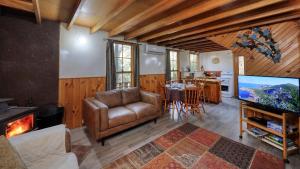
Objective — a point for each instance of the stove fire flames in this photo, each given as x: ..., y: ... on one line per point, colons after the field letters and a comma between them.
x: 20, y: 126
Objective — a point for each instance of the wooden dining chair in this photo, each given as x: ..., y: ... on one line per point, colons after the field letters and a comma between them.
x: 201, y: 85
x: 192, y: 101
x: 168, y: 104
x: 165, y: 98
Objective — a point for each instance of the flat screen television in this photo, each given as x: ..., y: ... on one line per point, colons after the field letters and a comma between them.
x: 275, y: 93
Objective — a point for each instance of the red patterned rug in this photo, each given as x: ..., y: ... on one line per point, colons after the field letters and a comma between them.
x: 189, y: 146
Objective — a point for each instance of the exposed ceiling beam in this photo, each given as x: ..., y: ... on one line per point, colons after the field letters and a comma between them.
x: 121, y: 7
x: 184, y: 14
x: 76, y: 11
x: 222, y: 15
x: 159, y: 7
x: 205, y: 46
x: 233, y: 22
x: 18, y: 4
x: 206, y: 50
x: 197, y: 43
x: 263, y: 22
x: 190, y: 42
x: 37, y: 12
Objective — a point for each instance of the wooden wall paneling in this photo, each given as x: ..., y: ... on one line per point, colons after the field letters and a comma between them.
x: 287, y: 35
x: 152, y: 83
x: 71, y: 93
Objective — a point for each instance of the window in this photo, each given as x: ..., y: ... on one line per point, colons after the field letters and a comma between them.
x: 123, y: 62
x: 174, y: 65
x: 194, y: 62
x: 241, y: 65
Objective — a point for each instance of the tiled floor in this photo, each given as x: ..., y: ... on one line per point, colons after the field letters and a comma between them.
x: 222, y: 119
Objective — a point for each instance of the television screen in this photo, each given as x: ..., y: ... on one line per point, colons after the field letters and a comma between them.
x: 272, y: 92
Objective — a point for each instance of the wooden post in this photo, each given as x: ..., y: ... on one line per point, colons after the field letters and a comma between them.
x: 241, y: 120
x: 284, y: 137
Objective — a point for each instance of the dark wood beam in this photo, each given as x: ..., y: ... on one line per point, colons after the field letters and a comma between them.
x: 189, y: 42
x: 212, y: 18
x: 262, y: 22
x: 112, y: 14
x: 159, y: 7
x: 198, y: 43
x: 37, y: 12
x: 205, y: 46
x: 79, y: 4
x: 249, y: 18
x: 18, y: 4
x: 179, y: 16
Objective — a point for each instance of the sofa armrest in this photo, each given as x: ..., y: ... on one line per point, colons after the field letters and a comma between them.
x: 95, y: 114
x: 68, y: 142
x: 39, y: 144
x: 152, y: 98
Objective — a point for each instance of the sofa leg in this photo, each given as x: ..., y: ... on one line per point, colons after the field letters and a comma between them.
x: 155, y: 121
x: 102, y: 141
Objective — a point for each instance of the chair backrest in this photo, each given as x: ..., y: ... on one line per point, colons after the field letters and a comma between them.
x: 164, y: 88
x: 192, y: 96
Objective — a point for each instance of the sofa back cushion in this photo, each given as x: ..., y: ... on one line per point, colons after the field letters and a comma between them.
x: 112, y: 98
x: 131, y: 95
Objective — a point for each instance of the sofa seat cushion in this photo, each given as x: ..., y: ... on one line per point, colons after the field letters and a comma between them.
x: 112, y: 98
x: 131, y: 95
x: 120, y: 115
x: 61, y: 161
x: 142, y: 109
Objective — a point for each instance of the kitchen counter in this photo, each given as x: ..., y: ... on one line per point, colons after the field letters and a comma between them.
x: 212, y: 89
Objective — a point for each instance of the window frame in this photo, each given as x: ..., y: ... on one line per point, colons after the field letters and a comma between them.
x: 239, y: 65
x: 124, y: 72
x: 177, y: 64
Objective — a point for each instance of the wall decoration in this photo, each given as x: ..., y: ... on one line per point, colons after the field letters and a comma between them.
x: 261, y: 40
x: 216, y: 60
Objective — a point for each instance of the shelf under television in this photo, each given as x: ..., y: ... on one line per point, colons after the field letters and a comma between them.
x: 290, y: 149
x: 262, y: 127
x: 247, y: 111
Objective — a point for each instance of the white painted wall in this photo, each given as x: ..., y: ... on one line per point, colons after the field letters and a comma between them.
x: 151, y: 63
x: 226, y: 61
x: 83, y: 54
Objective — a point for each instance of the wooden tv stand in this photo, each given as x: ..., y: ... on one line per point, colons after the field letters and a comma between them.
x: 247, y: 111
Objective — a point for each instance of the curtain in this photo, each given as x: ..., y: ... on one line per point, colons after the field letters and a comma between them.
x: 136, y: 62
x: 168, y: 66
x: 110, y: 66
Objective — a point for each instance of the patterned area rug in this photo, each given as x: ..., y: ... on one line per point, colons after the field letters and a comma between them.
x: 192, y: 147
x: 81, y: 152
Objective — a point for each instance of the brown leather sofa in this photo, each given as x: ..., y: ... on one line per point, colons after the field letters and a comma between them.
x: 116, y: 110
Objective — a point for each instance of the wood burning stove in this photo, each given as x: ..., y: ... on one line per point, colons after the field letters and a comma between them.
x: 17, y: 120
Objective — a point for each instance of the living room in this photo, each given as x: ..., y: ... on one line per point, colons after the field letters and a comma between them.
x: 92, y: 84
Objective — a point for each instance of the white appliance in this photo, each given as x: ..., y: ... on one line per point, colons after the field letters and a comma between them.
x: 155, y: 50
x: 227, y: 83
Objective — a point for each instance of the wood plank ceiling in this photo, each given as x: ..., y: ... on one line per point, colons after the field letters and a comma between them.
x: 181, y: 24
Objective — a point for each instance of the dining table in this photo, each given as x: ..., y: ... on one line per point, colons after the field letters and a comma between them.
x: 175, y: 93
